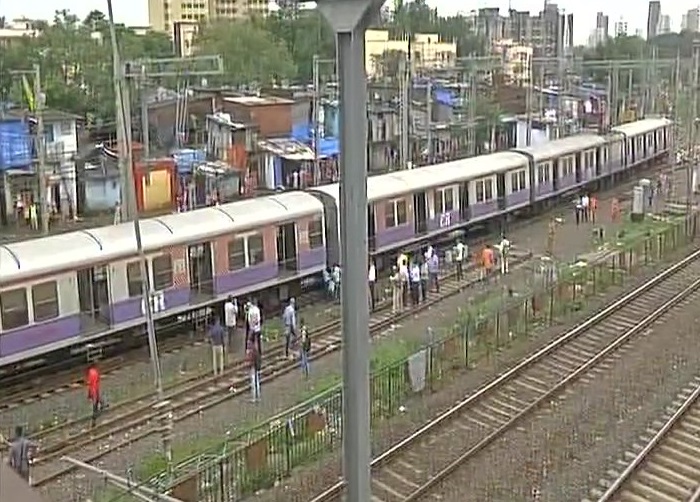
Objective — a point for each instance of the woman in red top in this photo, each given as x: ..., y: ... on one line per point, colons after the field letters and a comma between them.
x: 94, y: 395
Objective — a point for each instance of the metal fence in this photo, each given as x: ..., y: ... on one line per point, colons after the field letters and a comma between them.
x: 270, y: 451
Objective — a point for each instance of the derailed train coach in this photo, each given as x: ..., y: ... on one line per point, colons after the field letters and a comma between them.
x: 64, y: 291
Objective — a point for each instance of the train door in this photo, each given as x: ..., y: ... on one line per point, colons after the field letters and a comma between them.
x: 501, y: 191
x: 632, y: 153
x: 579, y: 161
x: 555, y: 174
x: 657, y: 134
x: 371, y: 228
x: 420, y: 212
x: 201, y: 269
x: 598, y: 156
x: 287, y: 247
x: 465, y: 211
x: 93, y: 294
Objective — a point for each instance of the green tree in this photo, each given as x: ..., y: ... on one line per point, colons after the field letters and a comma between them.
x: 251, y: 54
x: 76, y: 61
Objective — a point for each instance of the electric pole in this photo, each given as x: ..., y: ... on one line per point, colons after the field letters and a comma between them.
x: 316, y: 118
x: 429, y: 118
x: 40, y: 101
x: 145, y: 133
x: 404, y: 112
x: 472, y: 115
x: 560, y: 92
x: 528, y: 107
x: 692, y: 156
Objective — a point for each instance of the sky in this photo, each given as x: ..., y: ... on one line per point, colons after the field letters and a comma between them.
x: 135, y: 12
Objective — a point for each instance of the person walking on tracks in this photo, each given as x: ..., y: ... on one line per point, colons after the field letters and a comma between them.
x: 254, y: 319
x: 255, y: 363
x: 372, y: 284
x: 305, y: 349
x: 217, y: 336
x: 396, y: 296
x: 415, y: 283
x: 460, y: 252
x: 21, y: 450
x: 230, y: 318
x: 94, y: 387
x: 289, y: 319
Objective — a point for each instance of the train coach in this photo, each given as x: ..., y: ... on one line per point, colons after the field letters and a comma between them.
x: 72, y: 288
x: 66, y: 290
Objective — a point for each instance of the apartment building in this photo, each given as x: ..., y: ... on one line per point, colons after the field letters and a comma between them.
x: 426, y: 48
x: 16, y: 30
x: 163, y: 14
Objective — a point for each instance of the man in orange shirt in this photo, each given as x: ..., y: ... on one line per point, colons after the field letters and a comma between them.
x: 487, y: 259
x: 94, y: 391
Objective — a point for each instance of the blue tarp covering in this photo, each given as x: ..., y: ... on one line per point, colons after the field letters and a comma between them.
x: 15, y: 145
x: 187, y: 158
x: 328, y: 147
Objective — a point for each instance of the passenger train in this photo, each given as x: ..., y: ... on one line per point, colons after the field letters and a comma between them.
x: 59, y: 293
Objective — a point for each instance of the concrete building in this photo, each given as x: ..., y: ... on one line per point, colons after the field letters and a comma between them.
x: 621, y: 28
x: 426, y: 48
x: 691, y: 21
x: 664, y: 24
x: 517, y: 62
x: 16, y: 30
x: 162, y: 14
x: 602, y: 24
x: 653, y: 18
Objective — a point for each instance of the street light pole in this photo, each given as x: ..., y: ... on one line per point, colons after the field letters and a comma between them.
x: 349, y: 19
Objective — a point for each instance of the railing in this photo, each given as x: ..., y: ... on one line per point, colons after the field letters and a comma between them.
x: 268, y: 452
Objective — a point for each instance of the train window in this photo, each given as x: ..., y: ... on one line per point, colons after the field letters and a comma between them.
x: 133, y: 279
x: 162, y: 272
x: 517, y: 181
x: 315, y: 229
x: 389, y: 220
x: 488, y: 190
x: 45, y: 301
x: 13, y: 308
x: 480, y: 195
x: 401, y: 212
x: 444, y: 200
x: 543, y: 170
x: 256, y: 250
x: 236, y: 253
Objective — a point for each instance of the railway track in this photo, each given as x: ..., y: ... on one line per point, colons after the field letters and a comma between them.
x: 41, y: 382
x: 667, y: 466
x: 132, y: 421
x: 411, y: 470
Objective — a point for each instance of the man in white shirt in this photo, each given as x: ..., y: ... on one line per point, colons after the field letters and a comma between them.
x: 404, y: 278
x: 504, y: 247
x: 585, y: 202
x: 230, y: 317
x: 254, y: 319
x: 460, y: 253
x: 372, y: 283
x: 415, y: 283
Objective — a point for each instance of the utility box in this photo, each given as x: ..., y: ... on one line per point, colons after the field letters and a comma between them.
x: 638, y: 204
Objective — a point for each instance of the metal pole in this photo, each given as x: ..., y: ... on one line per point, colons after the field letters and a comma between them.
x: 44, y: 210
x: 692, y: 157
x: 353, y: 207
x: 118, y: 77
x: 122, y: 481
x: 560, y: 93
x: 349, y: 20
x: 528, y: 108
x: 145, y: 133
x: 404, y: 148
x: 473, y: 149
x: 429, y: 118
x: 316, y: 119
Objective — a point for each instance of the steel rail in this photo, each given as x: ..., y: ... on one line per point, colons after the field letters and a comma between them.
x: 636, y: 466
x: 194, y: 403
x: 336, y: 490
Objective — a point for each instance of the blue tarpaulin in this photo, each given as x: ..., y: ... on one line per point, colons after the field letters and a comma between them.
x: 187, y: 159
x: 328, y: 146
x: 15, y: 145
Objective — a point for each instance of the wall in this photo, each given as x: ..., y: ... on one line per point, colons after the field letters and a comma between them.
x: 272, y: 119
x: 101, y: 194
x: 61, y: 147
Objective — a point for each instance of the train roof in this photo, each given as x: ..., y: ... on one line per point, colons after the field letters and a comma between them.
x: 400, y: 183
x: 103, y: 244
x: 558, y: 147
x: 642, y: 126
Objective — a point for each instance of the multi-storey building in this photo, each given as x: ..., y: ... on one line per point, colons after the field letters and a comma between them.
x: 653, y: 18
x: 692, y: 20
x: 163, y: 14
x: 621, y: 28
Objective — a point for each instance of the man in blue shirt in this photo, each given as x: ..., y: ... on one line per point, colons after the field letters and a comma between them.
x: 289, y: 319
x: 217, y: 335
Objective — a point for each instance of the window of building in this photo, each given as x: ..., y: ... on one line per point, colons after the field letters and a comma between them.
x: 256, y: 250
x: 315, y: 230
x: 45, y: 301
x: 133, y: 279
x: 162, y: 272
x: 236, y: 253
x: 13, y: 309
x: 49, y: 135
x: 66, y: 128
